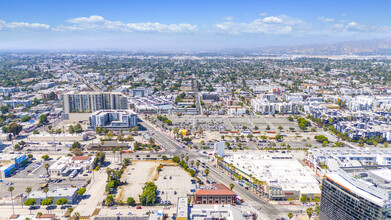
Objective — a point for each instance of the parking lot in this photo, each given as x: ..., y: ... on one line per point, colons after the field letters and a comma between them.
x: 222, y: 123
x: 173, y: 182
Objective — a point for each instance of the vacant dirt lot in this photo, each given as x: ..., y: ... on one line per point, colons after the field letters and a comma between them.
x: 146, y: 171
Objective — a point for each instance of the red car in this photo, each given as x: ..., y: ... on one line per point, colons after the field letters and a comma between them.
x: 139, y: 207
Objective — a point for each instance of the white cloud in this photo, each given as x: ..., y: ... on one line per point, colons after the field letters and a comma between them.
x: 354, y: 27
x: 228, y: 18
x: 264, y: 14
x: 22, y: 26
x: 325, y: 19
x: 281, y: 24
x: 96, y: 22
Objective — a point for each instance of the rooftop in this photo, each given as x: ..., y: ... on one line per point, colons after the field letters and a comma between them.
x: 216, y: 189
x: 277, y: 169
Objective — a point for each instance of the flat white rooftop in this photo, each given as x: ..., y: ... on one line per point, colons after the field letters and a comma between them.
x: 384, y: 174
x: 287, y: 173
x: 354, y: 186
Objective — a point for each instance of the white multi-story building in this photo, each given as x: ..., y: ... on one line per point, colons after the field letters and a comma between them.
x: 264, y: 106
x: 64, y: 165
x: 113, y: 119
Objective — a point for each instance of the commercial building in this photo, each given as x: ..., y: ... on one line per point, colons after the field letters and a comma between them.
x: 226, y: 212
x: 360, y: 195
x: 265, y: 106
x: 182, y: 212
x: 87, y: 102
x: 113, y: 119
x: 65, y: 165
x: 210, y: 96
x: 334, y: 158
x: 9, y: 163
x: 58, y: 137
x: 276, y: 175
x: 139, y: 92
x: 150, y: 104
x: 59, y: 193
x: 214, y: 194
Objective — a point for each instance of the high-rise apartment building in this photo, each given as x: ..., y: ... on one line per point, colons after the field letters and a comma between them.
x: 87, y: 102
x: 354, y: 196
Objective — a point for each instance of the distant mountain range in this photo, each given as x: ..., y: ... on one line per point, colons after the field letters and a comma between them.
x: 361, y: 47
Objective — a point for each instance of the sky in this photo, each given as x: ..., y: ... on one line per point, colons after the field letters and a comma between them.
x: 188, y: 24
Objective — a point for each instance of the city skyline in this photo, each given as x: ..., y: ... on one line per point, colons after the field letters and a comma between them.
x: 177, y: 25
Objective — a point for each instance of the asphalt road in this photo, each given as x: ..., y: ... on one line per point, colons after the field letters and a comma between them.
x: 265, y: 210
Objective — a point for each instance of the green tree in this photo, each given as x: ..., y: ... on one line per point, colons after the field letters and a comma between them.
x: 47, y: 203
x: 28, y: 190
x: 206, y: 171
x: 29, y: 202
x: 4, y: 109
x: 290, y: 215
x: 14, y: 128
x: 176, y: 159
x: 109, y: 200
x: 47, y: 168
x: 149, y: 194
x: 62, y: 201
x: 192, y: 172
x: 46, y: 190
x: 309, y: 211
x: 231, y: 186
x: 25, y: 118
x: 76, y: 144
x: 43, y: 119
x: 11, y: 189
x: 81, y: 191
x: 130, y: 201
x: 71, y: 130
x: 267, y: 127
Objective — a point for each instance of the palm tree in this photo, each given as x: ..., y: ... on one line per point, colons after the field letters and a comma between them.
x: 39, y: 214
x: 114, y: 150
x: 28, y: 190
x: 120, y: 153
x: 290, y: 215
x: 309, y: 212
x: 76, y: 215
x: 10, y: 189
x: 46, y: 190
x: 197, y: 164
x: 47, y: 168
